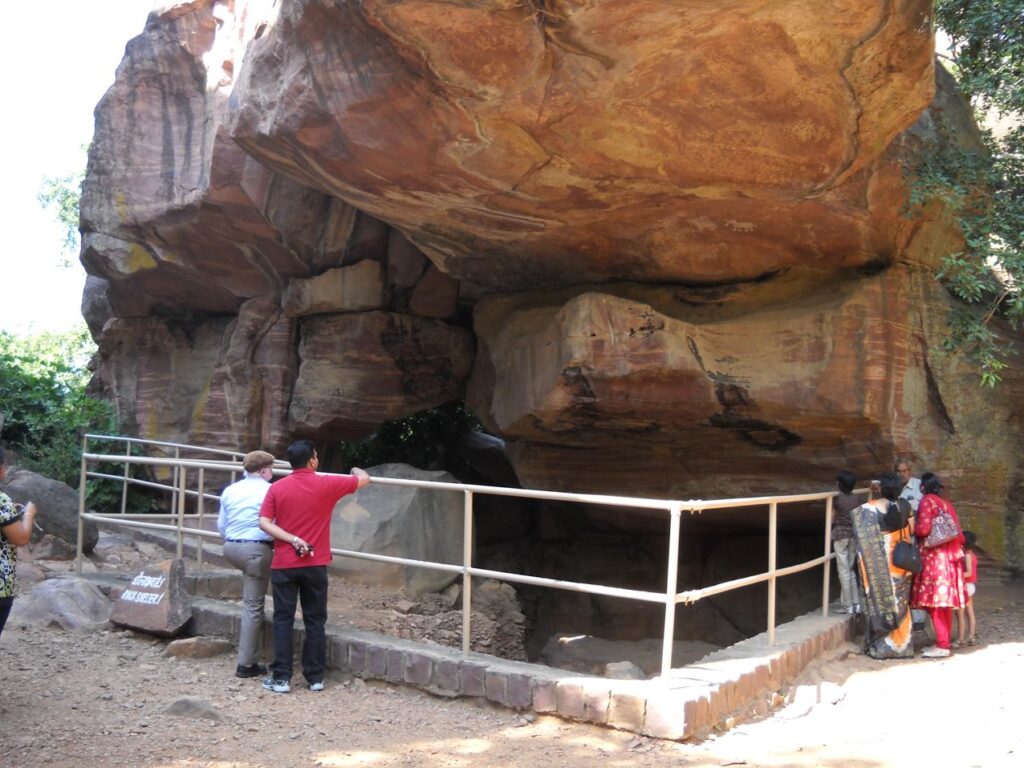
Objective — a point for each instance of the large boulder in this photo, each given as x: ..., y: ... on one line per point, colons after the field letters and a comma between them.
x: 69, y: 603
x: 400, y: 521
x: 58, y: 507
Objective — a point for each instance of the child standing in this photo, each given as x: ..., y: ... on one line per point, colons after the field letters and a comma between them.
x: 966, y: 611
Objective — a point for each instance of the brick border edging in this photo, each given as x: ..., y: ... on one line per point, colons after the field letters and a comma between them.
x: 689, y: 703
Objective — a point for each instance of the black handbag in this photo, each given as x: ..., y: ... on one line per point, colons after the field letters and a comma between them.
x: 907, y: 556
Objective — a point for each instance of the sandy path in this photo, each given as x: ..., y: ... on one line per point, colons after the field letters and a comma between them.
x: 99, y: 699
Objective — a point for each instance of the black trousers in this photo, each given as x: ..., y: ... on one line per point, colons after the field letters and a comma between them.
x: 309, y: 586
x: 5, y: 610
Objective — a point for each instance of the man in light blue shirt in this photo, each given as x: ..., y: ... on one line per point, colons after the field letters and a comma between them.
x: 911, y: 485
x: 250, y: 550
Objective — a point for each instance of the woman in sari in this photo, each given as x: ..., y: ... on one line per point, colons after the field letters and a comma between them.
x: 877, y: 526
x: 940, y: 586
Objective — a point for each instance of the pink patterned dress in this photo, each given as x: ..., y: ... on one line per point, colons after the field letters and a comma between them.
x: 940, y: 584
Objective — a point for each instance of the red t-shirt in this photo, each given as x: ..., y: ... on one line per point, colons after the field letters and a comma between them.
x: 972, y: 578
x: 302, y: 503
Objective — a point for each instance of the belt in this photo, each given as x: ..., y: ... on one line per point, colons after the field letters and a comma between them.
x: 250, y: 541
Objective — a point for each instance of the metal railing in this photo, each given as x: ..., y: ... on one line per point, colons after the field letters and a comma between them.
x: 669, y: 598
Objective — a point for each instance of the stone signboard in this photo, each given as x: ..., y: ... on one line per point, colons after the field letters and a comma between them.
x: 155, y: 601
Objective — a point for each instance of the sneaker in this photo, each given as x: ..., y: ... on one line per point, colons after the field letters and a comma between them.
x: 317, y: 686
x: 935, y: 653
x: 250, y: 670
x: 275, y: 685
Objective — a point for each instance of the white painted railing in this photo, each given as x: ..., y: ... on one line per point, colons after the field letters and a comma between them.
x: 192, y: 525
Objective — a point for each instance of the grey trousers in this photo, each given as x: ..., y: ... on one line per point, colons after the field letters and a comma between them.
x: 253, y: 560
x: 846, y: 561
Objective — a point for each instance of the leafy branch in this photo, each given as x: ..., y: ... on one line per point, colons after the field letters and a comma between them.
x: 982, y: 189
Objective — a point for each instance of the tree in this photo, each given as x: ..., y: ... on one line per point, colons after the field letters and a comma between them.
x: 62, y: 195
x: 983, y: 190
x: 44, y: 409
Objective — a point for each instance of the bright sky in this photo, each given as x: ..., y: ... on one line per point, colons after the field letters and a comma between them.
x: 58, y: 58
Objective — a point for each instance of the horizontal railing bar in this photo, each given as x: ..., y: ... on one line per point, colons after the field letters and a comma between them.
x: 429, y: 565
x: 693, y: 595
x: 573, y: 586
x: 162, y: 444
x: 147, y: 515
x: 692, y: 505
x: 131, y: 523
x: 497, y: 490
x: 753, y: 501
x: 488, y: 489
x: 214, y: 464
x: 131, y: 481
x: 789, y: 570
x: 594, y: 589
x: 149, y: 484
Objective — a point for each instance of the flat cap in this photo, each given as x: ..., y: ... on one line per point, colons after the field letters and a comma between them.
x: 254, y: 461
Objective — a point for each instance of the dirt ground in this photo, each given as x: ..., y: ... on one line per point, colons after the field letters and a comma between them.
x: 102, y: 699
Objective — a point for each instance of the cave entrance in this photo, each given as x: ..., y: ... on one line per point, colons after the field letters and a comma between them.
x: 628, y: 548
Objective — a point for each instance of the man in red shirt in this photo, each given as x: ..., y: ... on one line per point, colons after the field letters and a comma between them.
x: 297, y: 513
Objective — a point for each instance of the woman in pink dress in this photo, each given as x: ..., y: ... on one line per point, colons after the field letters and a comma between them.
x: 939, y: 587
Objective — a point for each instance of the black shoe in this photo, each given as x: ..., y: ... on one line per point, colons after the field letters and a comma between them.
x: 250, y: 670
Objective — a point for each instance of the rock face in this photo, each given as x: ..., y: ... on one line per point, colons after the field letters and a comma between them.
x: 399, y: 521
x: 660, y: 249
x: 599, y: 140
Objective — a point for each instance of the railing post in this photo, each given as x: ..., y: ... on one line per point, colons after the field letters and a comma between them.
x: 467, y: 578
x: 773, y: 520
x: 174, y: 481
x: 828, y: 563
x: 200, y: 505
x: 671, y: 587
x: 81, y: 521
x: 124, y: 483
x: 181, y: 509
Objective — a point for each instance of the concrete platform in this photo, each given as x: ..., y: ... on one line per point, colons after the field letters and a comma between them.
x: 691, y: 702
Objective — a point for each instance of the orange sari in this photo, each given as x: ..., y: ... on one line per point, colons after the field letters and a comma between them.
x: 886, y: 588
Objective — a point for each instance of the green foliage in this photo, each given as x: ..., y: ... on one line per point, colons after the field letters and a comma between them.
x: 426, y: 440
x: 105, y: 494
x: 62, y: 195
x: 983, y: 190
x: 45, y: 411
x: 988, y: 49
x: 43, y: 405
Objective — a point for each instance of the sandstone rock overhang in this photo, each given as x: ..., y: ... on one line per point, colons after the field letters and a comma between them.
x: 590, y: 141
x: 662, y: 248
